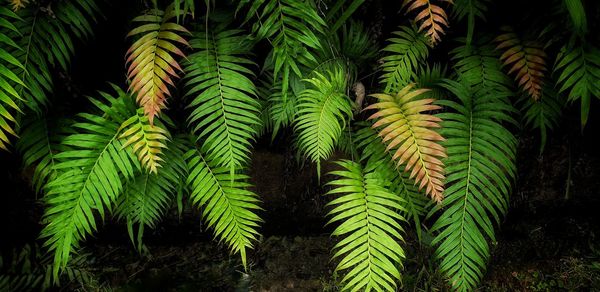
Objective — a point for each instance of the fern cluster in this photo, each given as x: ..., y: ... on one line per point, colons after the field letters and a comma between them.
x: 429, y: 142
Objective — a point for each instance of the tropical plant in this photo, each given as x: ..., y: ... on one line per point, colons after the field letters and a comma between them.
x: 29, y: 269
x: 426, y: 132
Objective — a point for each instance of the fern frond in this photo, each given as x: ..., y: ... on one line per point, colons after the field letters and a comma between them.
x: 578, y: 70
x: 39, y: 142
x: 323, y: 110
x: 47, y: 41
x: 577, y: 15
x: 406, y: 51
x: 430, y: 77
x: 189, y: 7
x: 18, y: 4
x: 9, y: 70
x: 30, y: 269
x: 147, y: 140
x: 225, y: 110
x: 375, y: 157
x: 542, y: 114
x: 151, y: 65
x: 91, y: 174
x: 479, y: 66
x: 334, y: 13
x: 432, y: 18
x: 470, y: 9
x: 282, y: 111
x: 480, y: 170
x: 527, y: 61
x: 368, y: 218
x: 227, y: 204
x: 357, y: 43
x: 409, y: 131
x: 291, y: 26
x: 146, y: 198
x: 19, y: 270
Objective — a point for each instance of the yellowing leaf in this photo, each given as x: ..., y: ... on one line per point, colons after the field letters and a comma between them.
x: 152, y: 66
x: 527, y: 62
x: 408, y: 132
x: 432, y: 18
x: 147, y: 140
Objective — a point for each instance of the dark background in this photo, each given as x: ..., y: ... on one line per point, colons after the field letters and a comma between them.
x: 547, y: 235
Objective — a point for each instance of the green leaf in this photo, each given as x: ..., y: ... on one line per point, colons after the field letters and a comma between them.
x: 292, y: 27
x: 367, y: 217
x: 229, y: 208
x: 480, y: 171
x: 578, y: 70
x: 225, y: 111
x: 91, y: 171
x: 146, y: 198
x: 406, y: 51
x: 323, y: 111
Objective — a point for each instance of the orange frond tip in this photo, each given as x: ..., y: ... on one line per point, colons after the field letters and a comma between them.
x: 526, y: 60
x: 432, y: 18
x: 151, y: 67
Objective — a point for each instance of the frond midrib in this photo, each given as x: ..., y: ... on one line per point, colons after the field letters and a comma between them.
x: 231, y: 160
x: 48, y: 145
x: 418, y: 147
x: 328, y: 97
x: 27, y: 51
x: 467, y: 194
x: 222, y: 193
x: 154, y: 57
x: 71, y: 222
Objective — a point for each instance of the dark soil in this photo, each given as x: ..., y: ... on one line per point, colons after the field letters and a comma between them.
x: 548, y: 241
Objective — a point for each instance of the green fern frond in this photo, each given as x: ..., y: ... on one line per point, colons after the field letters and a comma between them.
x: 91, y: 175
x: 47, y: 41
x: 480, y: 172
x: 479, y: 66
x: 578, y: 70
x: 224, y: 107
x: 9, y: 71
x: 405, y: 53
x: 542, y: 114
x: 282, y: 111
x: 577, y: 14
x: 147, y: 140
x: 189, y: 7
x: 323, y: 112
x: 229, y: 208
x: 146, y: 198
x: 30, y: 269
x: 368, y: 218
x: 292, y: 27
x: 39, y: 142
x: 430, y: 77
x: 36, y: 68
x: 341, y: 14
x: 357, y: 43
x: 470, y: 9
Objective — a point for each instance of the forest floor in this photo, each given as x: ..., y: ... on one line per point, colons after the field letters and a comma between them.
x: 549, y: 241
